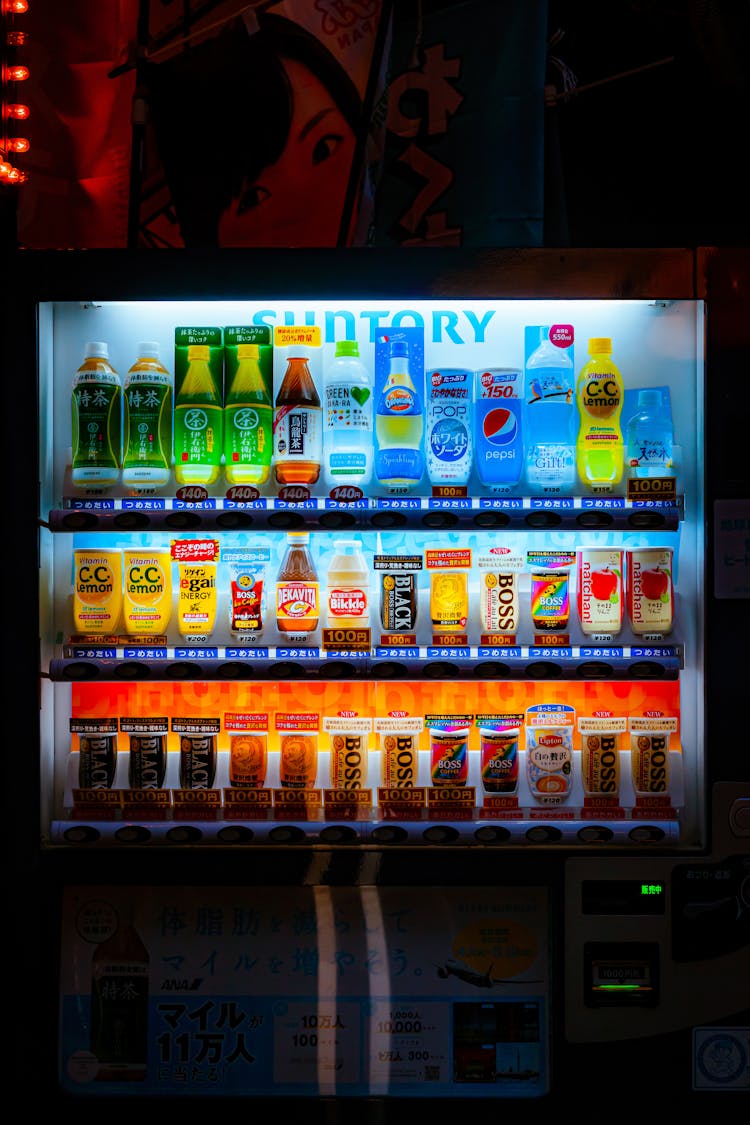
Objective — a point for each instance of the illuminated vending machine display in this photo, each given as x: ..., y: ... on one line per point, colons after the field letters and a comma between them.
x: 327, y: 573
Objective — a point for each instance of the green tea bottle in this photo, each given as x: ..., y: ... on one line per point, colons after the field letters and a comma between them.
x: 248, y: 421
x: 147, y: 437
x: 198, y: 422
x: 96, y: 404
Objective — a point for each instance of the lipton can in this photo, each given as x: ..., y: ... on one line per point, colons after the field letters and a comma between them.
x: 549, y: 762
x: 348, y: 760
x: 650, y: 591
x: 601, y: 764
x: 600, y: 590
x: 399, y: 760
x: 649, y: 758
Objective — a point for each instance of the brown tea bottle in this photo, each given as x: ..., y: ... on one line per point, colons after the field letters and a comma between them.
x: 297, y: 424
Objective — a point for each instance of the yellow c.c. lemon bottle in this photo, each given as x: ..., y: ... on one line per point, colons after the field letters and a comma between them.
x: 599, y: 392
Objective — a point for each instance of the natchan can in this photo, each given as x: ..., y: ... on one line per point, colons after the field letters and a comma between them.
x: 650, y: 591
x: 600, y: 590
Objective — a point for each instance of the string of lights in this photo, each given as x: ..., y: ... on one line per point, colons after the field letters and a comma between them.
x: 13, y: 73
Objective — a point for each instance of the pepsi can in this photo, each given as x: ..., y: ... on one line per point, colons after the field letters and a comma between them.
x: 498, y: 438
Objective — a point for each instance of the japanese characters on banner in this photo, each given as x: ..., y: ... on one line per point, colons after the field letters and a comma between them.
x: 408, y: 991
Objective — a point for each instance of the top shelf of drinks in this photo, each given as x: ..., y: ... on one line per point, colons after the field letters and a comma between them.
x: 226, y: 431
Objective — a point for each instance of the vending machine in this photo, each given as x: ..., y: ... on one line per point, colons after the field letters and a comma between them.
x: 376, y: 666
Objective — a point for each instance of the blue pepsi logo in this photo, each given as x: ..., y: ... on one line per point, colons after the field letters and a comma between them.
x: 500, y: 426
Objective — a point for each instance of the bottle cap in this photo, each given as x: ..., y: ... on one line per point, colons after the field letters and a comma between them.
x: 98, y: 349
x: 346, y: 544
x: 347, y: 347
x: 199, y: 351
x: 598, y: 344
x: 298, y: 536
x: 399, y: 347
x: 148, y: 349
x: 649, y: 396
x: 297, y: 351
x: 248, y: 351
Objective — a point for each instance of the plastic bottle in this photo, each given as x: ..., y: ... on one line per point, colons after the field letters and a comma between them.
x: 347, y: 434
x: 599, y: 448
x: 248, y: 421
x: 498, y: 427
x: 650, y: 437
x: 147, y: 433
x: 297, y: 589
x: 399, y: 424
x: 297, y: 429
x: 348, y: 598
x: 449, y: 444
x: 549, y: 415
x: 96, y: 404
x: 119, y: 1004
x: 198, y: 422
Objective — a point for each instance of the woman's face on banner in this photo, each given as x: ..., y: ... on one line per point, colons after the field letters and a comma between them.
x: 298, y: 200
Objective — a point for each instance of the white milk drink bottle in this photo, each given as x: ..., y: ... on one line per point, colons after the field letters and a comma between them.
x: 399, y: 423
x: 549, y: 416
x: 347, y: 418
x: 348, y: 597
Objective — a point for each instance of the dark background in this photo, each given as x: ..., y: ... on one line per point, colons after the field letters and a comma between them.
x: 646, y: 125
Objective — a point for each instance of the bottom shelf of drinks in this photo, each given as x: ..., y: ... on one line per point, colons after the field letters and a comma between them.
x: 373, y: 763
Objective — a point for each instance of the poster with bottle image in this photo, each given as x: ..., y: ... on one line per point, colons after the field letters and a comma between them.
x: 446, y: 995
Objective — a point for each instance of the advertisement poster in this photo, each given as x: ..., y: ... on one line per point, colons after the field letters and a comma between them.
x: 407, y: 991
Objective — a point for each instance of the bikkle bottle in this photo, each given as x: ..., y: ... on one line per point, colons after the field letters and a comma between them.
x: 147, y: 431
x: 119, y: 1004
x: 347, y: 431
x: 248, y: 421
x: 96, y: 406
x: 399, y: 425
x: 198, y: 422
x: 599, y: 449
x: 297, y: 590
x: 297, y: 424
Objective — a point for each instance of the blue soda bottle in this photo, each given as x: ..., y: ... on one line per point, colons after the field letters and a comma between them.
x: 399, y: 424
x: 498, y: 427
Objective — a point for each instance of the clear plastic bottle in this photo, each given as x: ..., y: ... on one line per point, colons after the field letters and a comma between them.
x: 650, y: 438
x: 248, y: 421
x: 548, y: 423
x: 399, y: 425
x: 347, y: 433
x: 147, y: 437
x: 297, y: 431
x: 96, y: 404
x: 600, y: 450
